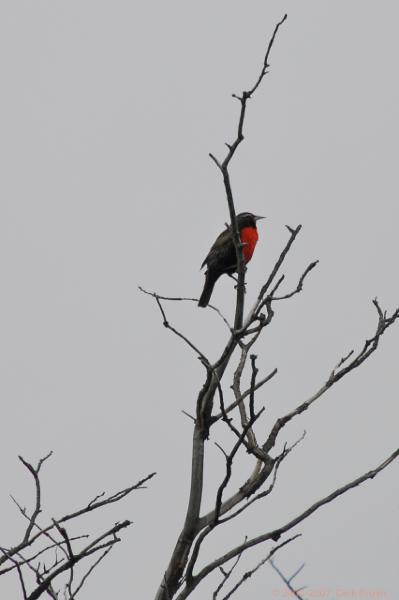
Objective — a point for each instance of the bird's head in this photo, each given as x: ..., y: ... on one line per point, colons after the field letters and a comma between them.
x: 247, y: 219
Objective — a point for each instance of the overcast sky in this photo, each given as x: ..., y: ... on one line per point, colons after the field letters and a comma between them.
x: 108, y: 112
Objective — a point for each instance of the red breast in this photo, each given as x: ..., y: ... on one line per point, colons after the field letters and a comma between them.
x: 249, y: 237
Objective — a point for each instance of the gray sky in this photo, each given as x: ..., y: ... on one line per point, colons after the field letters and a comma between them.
x: 108, y: 112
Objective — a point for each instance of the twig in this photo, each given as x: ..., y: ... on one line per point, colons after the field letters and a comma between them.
x: 188, y: 415
x: 258, y: 385
x: 89, y: 508
x: 251, y: 448
x: 21, y: 580
x: 30, y: 559
x: 226, y: 576
x: 337, y: 373
x: 18, y: 567
x: 90, y: 549
x: 229, y: 462
x: 265, y: 287
x: 263, y: 300
x: 63, y: 532
x: 255, y: 371
x: 299, y: 287
x: 287, y: 582
x: 268, y: 491
x: 89, y: 572
x: 185, y: 299
x: 238, y: 395
x: 251, y: 572
x: 37, y: 510
x: 167, y: 325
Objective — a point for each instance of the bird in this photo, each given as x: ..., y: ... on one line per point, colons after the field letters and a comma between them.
x: 222, y: 258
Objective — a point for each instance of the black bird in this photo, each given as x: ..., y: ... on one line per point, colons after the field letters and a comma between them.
x: 222, y: 256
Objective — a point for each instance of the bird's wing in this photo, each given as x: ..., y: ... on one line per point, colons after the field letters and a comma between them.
x: 222, y: 251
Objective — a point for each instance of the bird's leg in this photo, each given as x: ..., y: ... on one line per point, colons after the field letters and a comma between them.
x: 245, y: 287
x: 236, y: 280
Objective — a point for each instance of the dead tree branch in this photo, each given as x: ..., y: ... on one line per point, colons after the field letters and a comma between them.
x: 45, y: 570
x: 226, y: 575
x: 287, y: 581
x: 251, y: 572
x: 337, y: 373
x: 224, y: 168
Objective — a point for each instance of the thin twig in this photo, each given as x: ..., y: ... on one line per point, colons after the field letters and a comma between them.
x: 287, y: 582
x: 89, y: 572
x: 167, y: 325
x: 299, y: 287
x: 229, y: 462
x: 37, y: 510
x: 186, y: 299
x: 30, y: 559
x: 226, y: 575
x: 233, y: 405
x: 338, y: 372
x: 90, y: 549
x: 251, y: 572
x: 89, y: 508
x: 286, y: 451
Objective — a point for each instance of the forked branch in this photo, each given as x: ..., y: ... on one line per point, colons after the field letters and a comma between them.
x: 343, y: 368
x: 40, y: 543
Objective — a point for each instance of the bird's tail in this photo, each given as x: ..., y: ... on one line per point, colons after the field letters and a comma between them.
x: 210, y: 280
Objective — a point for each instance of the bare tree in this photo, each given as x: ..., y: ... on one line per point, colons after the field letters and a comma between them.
x: 48, y: 559
x: 187, y: 567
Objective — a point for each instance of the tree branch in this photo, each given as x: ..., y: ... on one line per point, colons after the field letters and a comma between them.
x: 277, y: 533
x: 287, y: 582
x: 337, y: 373
x: 91, y: 548
x: 37, y: 510
x: 251, y: 572
x: 224, y: 168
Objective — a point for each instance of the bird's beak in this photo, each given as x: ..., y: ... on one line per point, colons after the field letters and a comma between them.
x: 257, y: 218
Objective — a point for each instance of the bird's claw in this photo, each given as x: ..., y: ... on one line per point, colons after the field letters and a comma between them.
x: 245, y: 286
